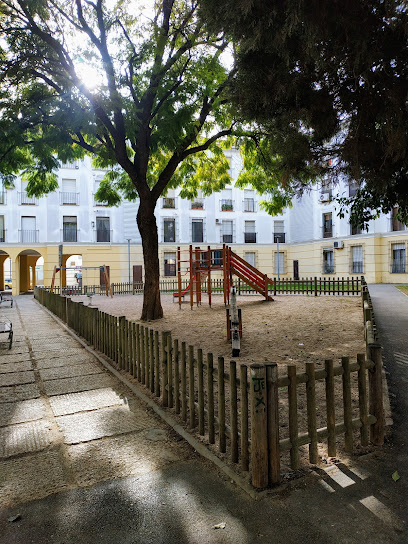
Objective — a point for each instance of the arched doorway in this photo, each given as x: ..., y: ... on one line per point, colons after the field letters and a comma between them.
x: 27, y: 270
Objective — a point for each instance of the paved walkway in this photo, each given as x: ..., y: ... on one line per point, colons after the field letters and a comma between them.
x: 83, y: 461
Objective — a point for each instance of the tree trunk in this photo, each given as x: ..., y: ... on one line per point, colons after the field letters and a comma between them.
x: 146, y: 221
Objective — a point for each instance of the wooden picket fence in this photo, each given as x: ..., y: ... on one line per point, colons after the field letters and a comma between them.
x: 305, y: 286
x: 245, y: 411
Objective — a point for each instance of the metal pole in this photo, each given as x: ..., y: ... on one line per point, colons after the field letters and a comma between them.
x: 277, y: 244
x: 128, y: 241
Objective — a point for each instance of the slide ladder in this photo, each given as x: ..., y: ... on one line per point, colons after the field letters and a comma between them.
x: 249, y: 274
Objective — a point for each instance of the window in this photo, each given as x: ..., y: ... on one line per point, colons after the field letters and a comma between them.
x: 227, y: 232
x: 398, y: 258
x: 68, y: 195
x: 2, y: 231
x: 169, y: 202
x: 279, y: 263
x: 395, y: 222
x: 357, y: 259
x: 170, y: 264
x: 102, y: 229
x: 69, y: 229
x: 326, y: 191
x: 198, y: 202
x: 353, y: 188
x: 227, y: 204
x: 328, y: 261
x: 327, y: 225
x: 249, y: 201
x: 249, y: 256
x: 216, y: 258
x: 279, y: 232
x: 355, y: 230
x: 250, y: 234
x: 169, y: 227
x: 197, y: 233
x: 29, y: 234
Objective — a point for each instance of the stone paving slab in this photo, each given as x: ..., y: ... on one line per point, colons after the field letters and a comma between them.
x: 81, y: 402
x: 88, y: 426
x: 64, y: 345
x: 16, y: 393
x: 13, y: 358
x: 15, y: 367
x: 43, y: 354
x: 24, y: 438
x: 16, y: 378
x: 55, y: 362
x: 30, y: 477
x: 21, y: 412
x: 69, y: 371
x: 75, y: 385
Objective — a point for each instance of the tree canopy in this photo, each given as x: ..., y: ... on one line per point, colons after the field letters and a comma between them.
x: 327, y: 81
x: 145, y: 91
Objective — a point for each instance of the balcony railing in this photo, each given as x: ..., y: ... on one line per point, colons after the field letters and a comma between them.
x: 327, y: 231
x: 357, y: 267
x: 102, y: 235
x: 197, y: 205
x: 3, y: 197
x: 169, y: 203
x: 248, y: 205
x: 227, y: 205
x: 67, y: 198
x: 250, y: 237
x: 227, y: 238
x: 25, y: 200
x: 279, y: 237
x: 2, y: 236
x: 328, y: 269
x: 70, y: 165
x: 69, y: 234
x: 28, y: 236
x: 398, y: 266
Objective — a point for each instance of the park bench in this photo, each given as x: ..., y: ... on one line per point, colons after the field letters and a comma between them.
x: 5, y: 297
x: 6, y: 327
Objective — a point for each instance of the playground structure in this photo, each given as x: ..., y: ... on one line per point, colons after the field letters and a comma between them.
x: 103, y: 269
x: 202, y: 263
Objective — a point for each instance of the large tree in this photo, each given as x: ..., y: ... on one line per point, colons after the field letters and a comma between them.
x: 157, y: 102
x: 327, y: 81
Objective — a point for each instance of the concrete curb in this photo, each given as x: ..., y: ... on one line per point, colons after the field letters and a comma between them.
x: 196, y: 444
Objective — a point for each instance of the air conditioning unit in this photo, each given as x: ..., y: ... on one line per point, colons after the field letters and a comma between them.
x: 338, y: 245
x: 324, y: 197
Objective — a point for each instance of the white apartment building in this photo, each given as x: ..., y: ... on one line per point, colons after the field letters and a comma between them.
x: 307, y: 240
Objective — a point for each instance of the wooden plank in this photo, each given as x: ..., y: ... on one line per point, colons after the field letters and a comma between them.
x: 311, y: 412
x: 259, y: 430
x: 293, y: 419
x: 244, y: 418
x: 183, y: 382
x: 210, y: 394
x: 164, y: 390
x: 176, y: 360
x: 151, y: 359
x: 273, y: 423
x: 157, y: 364
x: 347, y: 413
x: 200, y: 379
x: 330, y: 411
x: 376, y: 395
x: 221, y: 405
x: 191, y: 387
x: 170, y: 370
x: 234, y: 411
x: 363, y: 399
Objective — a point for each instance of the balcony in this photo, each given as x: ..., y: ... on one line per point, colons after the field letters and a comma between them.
x: 227, y: 205
x: 328, y: 269
x: 197, y: 205
x: 248, y: 205
x: 69, y: 234
x: 169, y: 203
x: 71, y: 165
x: 25, y: 200
x: 3, y: 197
x: 102, y: 235
x: 250, y: 237
x: 279, y: 237
x: 2, y: 236
x: 28, y: 236
x: 69, y: 199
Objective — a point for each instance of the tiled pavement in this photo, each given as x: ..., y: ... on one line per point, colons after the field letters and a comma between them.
x: 64, y: 420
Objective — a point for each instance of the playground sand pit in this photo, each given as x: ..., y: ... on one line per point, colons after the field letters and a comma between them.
x: 291, y: 329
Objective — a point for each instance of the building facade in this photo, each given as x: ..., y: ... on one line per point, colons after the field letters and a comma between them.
x: 307, y: 240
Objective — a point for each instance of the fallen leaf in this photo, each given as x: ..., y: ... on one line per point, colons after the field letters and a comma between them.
x: 15, y: 518
x: 396, y: 476
x: 220, y: 525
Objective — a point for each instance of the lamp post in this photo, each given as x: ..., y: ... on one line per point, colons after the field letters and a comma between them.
x: 128, y: 241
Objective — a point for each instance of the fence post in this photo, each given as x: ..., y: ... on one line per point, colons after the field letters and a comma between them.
x: 315, y: 286
x: 376, y: 394
x: 363, y: 399
x: 273, y: 423
x: 259, y: 442
x: 347, y: 413
x: 165, y: 396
